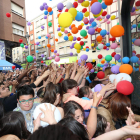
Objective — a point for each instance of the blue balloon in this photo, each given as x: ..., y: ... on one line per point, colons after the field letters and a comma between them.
x: 93, y: 24
x: 119, y: 60
x: 50, y: 13
x: 104, y: 6
x: 90, y: 27
x: 79, y: 16
x: 39, y: 37
x: 119, y: 40
x: 87, y: 49
x: 45, y: 12
x: 103, y: 32
x: 102, y: 65
x: 112, y: 65
x: 125, y: 60
x: 134, y: 59
x: 66, y: 38
x: 133, y: 40
x: 46, y: 37
x: 134, y: 25
x: 107, y: 44
x: 37, y: 51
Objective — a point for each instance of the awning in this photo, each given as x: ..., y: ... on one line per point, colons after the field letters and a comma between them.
x: 5, y: 65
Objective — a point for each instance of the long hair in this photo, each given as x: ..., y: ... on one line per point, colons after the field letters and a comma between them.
x: 14, y: 123
x: 107, y: 71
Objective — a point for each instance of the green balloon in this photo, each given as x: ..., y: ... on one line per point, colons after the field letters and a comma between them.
x: 139, y: 25
x: 98, y: 65
x: 49, y: 24
x: 137, y: 65
x: 83, y: 33
x: 97, y: 48
x: 100, y: 1
x: 22, y: 45
x: 81, y: 47
x: 108, y: 58
x: 118, y: 23
x: 30, y: 58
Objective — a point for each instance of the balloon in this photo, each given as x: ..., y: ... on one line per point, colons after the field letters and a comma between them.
x: 92, y: 70
x: 96, y: 8
x: 78, y: 38
x: 104, y: 6
x: 13, y: 67
x: 79, y: 16
x: 114, y: 46
x: 29, y: 23
x: 84, y: 57
x: 57, y: 59
x: 77, y: 46
x: 45, y: 12
x: 134, y: 25
x: 81, y: 43
x: 117, y: 57
x: 70, y: 38
x: 108, y: 22
x: 75, y: 4
x: 37, y: 111
x: 49, y: 24
x: 86, y: 14
x: 98, y: 87
x: 39, y: 37
x: 117, y: 31
x: 41, y: 8
x: 134, y: 59
x: 100, y: 56
x: 46, y: 7
x: 85, y: 3
x: 59, y: 34
x: 73, y: 12
x: 105, y: 47
x: 113, y: 17
x: 100, y: 75
x: 69, y: 5
x: 125, y: 87
x: 71, y: 54
x: 93, y: 24
x: 108, y: 2
x: 65, y: 19
x: 89, y: 66
x: 83, y: 33
x: 138, y: 62
x: 48, y: 45
x: 74, y: 38
x: 66, y: 38
x: 118, y: 50
x: 137, y: 42
x: 22, y: 45
x: 51, y: 13
x: 26, y: 47
x: 80, y: 27
x: 60, y: 6
x: 125, y: 60
x: 108, y: 58
x: 49, y: 9
x: 74, y: 30
x: 100, y: 46
x: 87, y: 49
x: 103, y: 32
x: 99, y: 38
x: 113, y: 54
x: 52, y: 50
x: 107, y: 44
x: 126, y: 68
x: 30, y: 58
x: 85, y: 20
x: 37, y: 51
x: 91, y: 31
x: 78, y: 51
x: 115, y: 69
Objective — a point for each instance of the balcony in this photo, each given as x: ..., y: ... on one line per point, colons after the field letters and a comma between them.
x: 17, y: 37
x: 19, y: 2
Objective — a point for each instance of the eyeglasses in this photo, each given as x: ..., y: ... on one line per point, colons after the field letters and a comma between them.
x: 26, y: 101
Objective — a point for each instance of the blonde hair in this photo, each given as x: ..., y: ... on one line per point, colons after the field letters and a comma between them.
x: 108, y: 71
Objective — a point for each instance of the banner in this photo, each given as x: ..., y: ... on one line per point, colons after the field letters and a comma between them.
x: 2, y: 50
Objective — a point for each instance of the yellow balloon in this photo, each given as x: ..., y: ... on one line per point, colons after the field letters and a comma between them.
x: 70, y: 38
x: 85, y: 4
x: 100, y: 20
x: 92, y: 44
x: 43, y: 46
x: 98, y: 14
x: 84, y: 49
x: 62, y: 29
x: 78, y: 51
x: 86, y: 14
x: 113, y: 17
x: 65, y: 19
x: 93, y: 60
x: 76, y: 0
x: 101, y: 68
x: 77, y: 46
x: 73, y: 12
x: 103, y: 59
x: 59, y: 34
x: 82, y: 24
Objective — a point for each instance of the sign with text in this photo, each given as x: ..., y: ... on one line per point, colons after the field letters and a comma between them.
x: 2, y: 50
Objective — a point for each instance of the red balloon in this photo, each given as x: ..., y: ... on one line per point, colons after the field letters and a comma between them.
x: 66, y: 10
x: 78, y: 38
x: 81, y: 43
x: 101, y: 75
x: 134, y: 52
x: 84, y: 10
x: 96, y: 29
x: 42, y: 61
x: 8, y: 14
x: 125, y: 87
x: 60, y: 10
x: 13, y: 67
x: 100, y: 56
x: 104, y: 13
x: 87, y: 47
x: 75, y: 4
x: 20, y: 40
x: 105, y: 47
x: 89, y: 65
x: 113, y: 54
x: 113, y: 38
x: 110, y: 39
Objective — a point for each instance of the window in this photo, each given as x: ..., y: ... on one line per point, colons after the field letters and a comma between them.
x: 43, y: 43
x: 50, y: 29
x: 68, y: 50
x: 42, y: 21
x: 61, y: 51
x: 31, y: 27
x: 116, y: 14
x: 31, y: 37
x: 42, y: 32
x: 32, y: 47
x: 17, y: 29
x: 114, y: 7
x: 37, y: 24
x: 17, y: 9
x: 49, y: 17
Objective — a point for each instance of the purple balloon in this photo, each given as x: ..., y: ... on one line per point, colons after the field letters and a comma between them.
x: 58, y: 29
x: 91, y: 31
x: 92, y: 70
x: 87, y: 27
x: 42, y: 55
x: 71, y: 47
x: 41, y: 8
x: 53, y: 56
x: 98, y: 88
x: 34, y: 57
x: 26, y: 47
x: 108, y: 16
x: 73, y: 44
x: 37, y: 43
x: 137, y: 42
x: 117, y: 57
x: 71, y: 54
x: 107, y: 33
x: 42, y: 27
x: 55, y: 51
x: 133, y: 54
x: 45, y: 17
x: 91, y: 20
x: 84, y: 56
x: 46, y: 7
x: 44, y: 3
x: 96, y: 8
x: 106, y: 64
x: 133, y: 9
x: 60, y: 6
x: 131, y: 27
x: 138, y: 62
x: 115, y: 69
x: 70, y: 27
x: 74, y: 38
x: 29, y: 23
x: 46, y: 65
x: 104, y: 68
x: 107, y: 49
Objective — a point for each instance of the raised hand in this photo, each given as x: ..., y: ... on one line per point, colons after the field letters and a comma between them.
x: 131, y: 118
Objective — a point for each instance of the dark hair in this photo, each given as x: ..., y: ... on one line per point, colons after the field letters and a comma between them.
x: 84, y: 91
x: 76, y: 127
x: 68, y: 84
x: 23, y: 82
x: 118, y: 103
x: 70, y: 108
x: 94, y: 83
x: 135, y: 109
x: 25, y: 90
x: 14, y: 123
x: 40, y: 92
x: 1, y: 110
x: 92, y: 76
x: 53, y: 132
x: 101, y: 125
x: 30, y: 73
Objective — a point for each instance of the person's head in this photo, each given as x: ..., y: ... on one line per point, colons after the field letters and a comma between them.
x: 102, y: 126
x: 25, y: 78
x: 40, y: 92
x: 118, y: 103
x: 70, y: 86
x: 25, y: 97
x: 107, y: 71
x: 86, y: 92
x: 53, y: 132
x: 92, y: 76
x: 23, y: 83
x: 1, y: 110
x: 4, y: 91
x: 33, y: 72
x: 73, y: 109
x: 76, y: 127
x: 14, y: 123
x: 52, y: 94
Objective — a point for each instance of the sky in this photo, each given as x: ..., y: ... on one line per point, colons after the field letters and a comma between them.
x: 33, y: 7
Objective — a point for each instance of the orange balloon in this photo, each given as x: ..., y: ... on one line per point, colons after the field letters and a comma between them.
x: 48, y: 45
x: 86, y: 37
x: 74, y: 30
x: 77, y: 61
x: 117, y: 31
x: 99, y: 38
x: 108, y: 2
x: 58, y: 15
x: 52, y: 50
x: 99, y: 30
x: 93, y: 2
x: 80, y: 27
x: 69, y: 34
x: 102, y: 61
x: 73, y: 25
x: 58, y: 25
x: 56, y: 39
x: 49, y: 9
x: 126, y: 68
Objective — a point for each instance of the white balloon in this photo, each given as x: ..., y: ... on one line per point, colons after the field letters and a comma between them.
x: 133, y: 48
x: 100, y: 46
x: 99, y: 25
x: 112, y: 77
x: 118, y: 50
x: 69, y: 5
x: 37, y: 111
x: 124, y: 76
x: 89, y: 60
x: 45, y: 53
x: 52, y: 35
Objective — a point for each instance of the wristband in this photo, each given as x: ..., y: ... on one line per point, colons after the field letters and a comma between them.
x: 94, y: 107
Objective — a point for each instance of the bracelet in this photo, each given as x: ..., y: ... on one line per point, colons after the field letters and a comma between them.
x: 94, y: 107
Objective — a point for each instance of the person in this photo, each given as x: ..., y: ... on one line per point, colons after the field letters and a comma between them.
x: 1, y: 110
x: 14, y: 123
x: 25, y: 98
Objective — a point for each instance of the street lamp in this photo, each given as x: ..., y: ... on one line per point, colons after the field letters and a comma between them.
x: 27, y: 38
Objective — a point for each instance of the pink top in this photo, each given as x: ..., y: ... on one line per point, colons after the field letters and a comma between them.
x: 86, y: 104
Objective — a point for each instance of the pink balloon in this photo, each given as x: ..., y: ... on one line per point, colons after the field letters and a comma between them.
x: 65, y: 31
x: 50, y: 58
x: 132, y: 14
x: 57, y: 54
x: 48, y: 35
x: 98, y: 18
x: 113, y: 46
x: 137, y: 42
x: 80, y: 1
x: 85, y: 20
x: 105, y: 19
x: 57, y: 59
x: 108, y: 22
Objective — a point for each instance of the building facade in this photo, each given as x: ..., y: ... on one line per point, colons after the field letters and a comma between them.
x: 14, y: 28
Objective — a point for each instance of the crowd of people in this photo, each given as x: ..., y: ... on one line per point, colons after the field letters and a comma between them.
x: 59, y: 103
